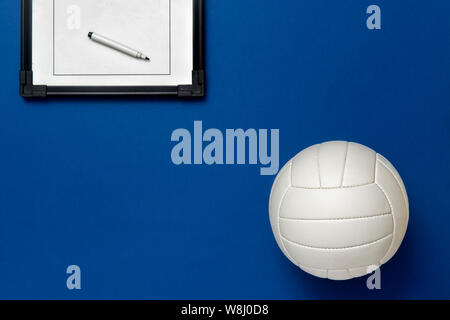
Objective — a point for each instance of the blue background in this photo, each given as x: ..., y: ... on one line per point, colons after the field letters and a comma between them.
x: 89, y: 181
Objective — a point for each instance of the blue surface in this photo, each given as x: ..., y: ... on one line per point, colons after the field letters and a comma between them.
x: 89, y: 181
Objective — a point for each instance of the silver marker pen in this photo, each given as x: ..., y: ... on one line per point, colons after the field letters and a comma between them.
x: 117, y: 46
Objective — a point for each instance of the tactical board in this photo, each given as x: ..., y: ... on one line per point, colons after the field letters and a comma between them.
x: 58, y: 57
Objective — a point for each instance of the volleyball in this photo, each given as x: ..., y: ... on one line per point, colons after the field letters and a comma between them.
x: 338, y: 209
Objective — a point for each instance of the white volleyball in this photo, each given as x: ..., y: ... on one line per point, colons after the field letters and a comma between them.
x: 337, y: 209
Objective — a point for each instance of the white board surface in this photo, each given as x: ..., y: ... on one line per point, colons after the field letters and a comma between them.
x: 63, y: 55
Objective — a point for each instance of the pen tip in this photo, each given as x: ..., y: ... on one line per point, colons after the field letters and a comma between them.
x: 90, y: 34
x: 147, y: 58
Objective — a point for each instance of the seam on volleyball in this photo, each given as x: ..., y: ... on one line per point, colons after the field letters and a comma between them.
x: 341, y: 248
x: 334, y: 188
x: 375, y: 169
x: 338, y: 219
x: 392, y: 210
x: 326, y: 270
x: 318, y: 166
x: 401, y: 186
x: 278, y: 214
x: 345, y: 163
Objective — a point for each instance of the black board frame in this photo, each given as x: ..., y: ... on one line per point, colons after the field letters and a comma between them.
x: 29, y: 90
